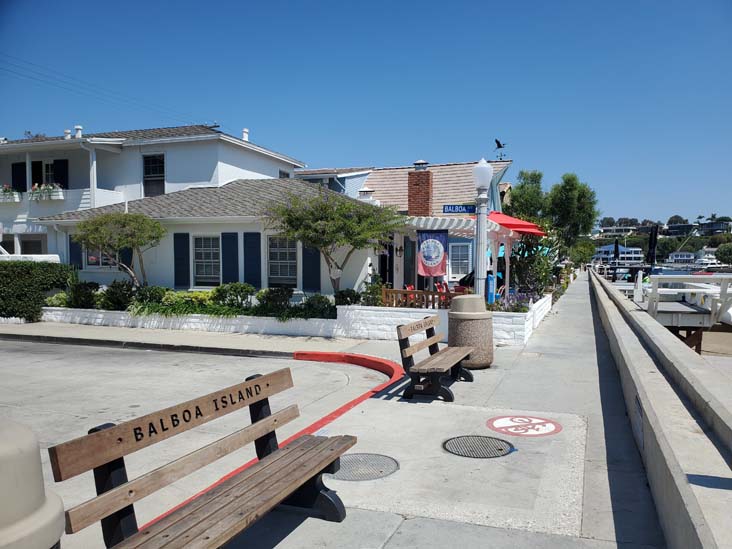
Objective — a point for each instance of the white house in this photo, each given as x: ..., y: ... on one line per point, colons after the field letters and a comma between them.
x: 99, y: 169
x: 216, y: 235
x: 605, y: 254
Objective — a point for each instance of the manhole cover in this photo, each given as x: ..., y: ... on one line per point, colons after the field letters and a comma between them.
x: 366, y: 467
x: 477, y: 446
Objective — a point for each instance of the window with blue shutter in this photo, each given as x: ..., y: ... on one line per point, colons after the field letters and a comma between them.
x: 253, y: 259
x: 310, y: 269
x: 75, y: 254
x: 181, y: 260
x: 61, y: 173
x: 18, y: 177
x: 229, y: 257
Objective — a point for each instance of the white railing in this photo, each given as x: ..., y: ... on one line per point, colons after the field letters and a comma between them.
x: 59, y: 201
x: 39, y: 258
x: 708, y: 291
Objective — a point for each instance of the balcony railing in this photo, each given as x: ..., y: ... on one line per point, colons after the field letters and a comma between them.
x: 42, y: 203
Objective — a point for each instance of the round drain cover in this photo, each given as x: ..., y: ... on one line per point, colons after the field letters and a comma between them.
x: 366, y: 467
x: 477, y: 446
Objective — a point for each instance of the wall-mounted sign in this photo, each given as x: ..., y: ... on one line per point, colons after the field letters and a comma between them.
x: 458, y: 209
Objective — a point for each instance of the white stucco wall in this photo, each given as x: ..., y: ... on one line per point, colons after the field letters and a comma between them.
x: 238, y: 163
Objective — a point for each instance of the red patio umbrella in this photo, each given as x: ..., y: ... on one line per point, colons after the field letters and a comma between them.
x: 516, y: 224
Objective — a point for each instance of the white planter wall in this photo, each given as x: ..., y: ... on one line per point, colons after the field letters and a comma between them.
x: 353, y: 321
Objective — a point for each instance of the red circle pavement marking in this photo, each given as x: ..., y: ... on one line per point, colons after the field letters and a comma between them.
x: 524, y: 426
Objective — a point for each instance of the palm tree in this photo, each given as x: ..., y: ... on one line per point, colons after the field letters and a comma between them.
x: 712, y: 218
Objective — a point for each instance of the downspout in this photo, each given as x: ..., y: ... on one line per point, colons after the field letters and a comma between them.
x: 92, y: 173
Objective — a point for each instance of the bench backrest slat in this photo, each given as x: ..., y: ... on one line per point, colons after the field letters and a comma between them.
x: 84, y: 453
x: 416, y: 347
x: 91, y: 511
x: 418, y: 326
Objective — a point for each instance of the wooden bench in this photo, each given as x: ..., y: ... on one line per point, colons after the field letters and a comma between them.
x: 426, y: 377
x: 290, y: 475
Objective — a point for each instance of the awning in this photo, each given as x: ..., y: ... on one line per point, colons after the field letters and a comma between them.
x: 458, y: 226
x: 515, y: 224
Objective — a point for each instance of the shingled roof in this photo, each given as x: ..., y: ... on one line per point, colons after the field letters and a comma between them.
x: 331, y: 171
x: 151, y: 133
x: 451, y: 184
x: 238, y: 198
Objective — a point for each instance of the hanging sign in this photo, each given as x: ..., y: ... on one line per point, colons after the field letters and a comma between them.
x: 458, y: 209
x: 432, y: 256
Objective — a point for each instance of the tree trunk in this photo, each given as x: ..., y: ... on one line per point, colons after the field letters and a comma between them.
x: 142, y: 266
x: 336, y: 283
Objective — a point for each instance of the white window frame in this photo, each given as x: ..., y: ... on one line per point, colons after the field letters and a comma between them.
x: 47, y: 163
x: 142, y: 171
x: 100, y: 267
x: 452, y: 277
x: 194, y: 286
x: 298, y: 260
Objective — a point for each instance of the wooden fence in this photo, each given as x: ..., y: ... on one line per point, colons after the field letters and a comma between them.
x: 421, y: 299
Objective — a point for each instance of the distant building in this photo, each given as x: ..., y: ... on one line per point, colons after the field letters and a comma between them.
x: 610, y: 232
x: 680, y: 229
x: 715, y: 227
x: 604, y: 254
x: 681, y: 257
x: 706, y: 253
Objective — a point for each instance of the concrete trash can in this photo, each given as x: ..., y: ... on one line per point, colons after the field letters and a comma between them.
x: 470, y: 325
x: 30, y: 516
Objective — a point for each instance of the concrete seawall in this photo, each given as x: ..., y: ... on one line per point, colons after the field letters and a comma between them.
x: 686, y: 470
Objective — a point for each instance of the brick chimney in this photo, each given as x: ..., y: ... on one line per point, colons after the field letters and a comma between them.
x: 419, y: 190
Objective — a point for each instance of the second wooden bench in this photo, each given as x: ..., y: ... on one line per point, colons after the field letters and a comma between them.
x: 427, y: 377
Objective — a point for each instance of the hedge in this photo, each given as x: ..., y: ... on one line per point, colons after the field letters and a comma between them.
x: 23, y: 283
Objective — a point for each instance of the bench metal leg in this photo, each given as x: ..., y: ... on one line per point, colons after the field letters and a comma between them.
x: 317, y: 499
x: 431, y: 385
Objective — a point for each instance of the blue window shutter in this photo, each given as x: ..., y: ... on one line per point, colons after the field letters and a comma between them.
x: 61, y: 172
x: 125, y: 256
x: 253, y: 259
x: 36, y: 172
x: 181, y: 260
x: 229, y: 257
x: 310, y: 269
x: 75, y: 257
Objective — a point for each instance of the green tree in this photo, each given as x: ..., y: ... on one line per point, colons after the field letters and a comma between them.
x: 112, y: 233
x: 607, y: 222
x: 665, y: 246
x: 335, y: 225
x: 725, y: 219
x: 712, y: 218
x: 724, y: 253
x: 627, y: 222
x: 528, y: 200
x: 677, y: 220
x: 648, y: 223
x: 571, y: 206
x: 582, y: 252
x: 715, y: 241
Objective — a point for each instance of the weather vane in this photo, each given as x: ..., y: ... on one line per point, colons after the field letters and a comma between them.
x: 499, y: 146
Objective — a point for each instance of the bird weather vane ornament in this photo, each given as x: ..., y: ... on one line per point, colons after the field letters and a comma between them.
x: 499, y: 146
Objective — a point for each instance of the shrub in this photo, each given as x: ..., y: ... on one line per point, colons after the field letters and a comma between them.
x: 22, y: 287
x: 318, y: 306
x: 82, y: 294
x: 150, y: 294
x: 58, y: 300
x: 118, y: 296
x: 273, y: 300
x: 371, y: 294
x: 724, y: 253
x: 347, y: 297
x: 236, y: 294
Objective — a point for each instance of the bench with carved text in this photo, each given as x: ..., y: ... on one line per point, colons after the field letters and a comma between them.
x: 427, y: 377
x: 290, y: 475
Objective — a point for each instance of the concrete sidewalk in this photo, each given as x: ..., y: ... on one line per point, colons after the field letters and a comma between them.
x: 582, y: 487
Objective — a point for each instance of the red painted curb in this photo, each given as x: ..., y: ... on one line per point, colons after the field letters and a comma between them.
x: 392, y: 369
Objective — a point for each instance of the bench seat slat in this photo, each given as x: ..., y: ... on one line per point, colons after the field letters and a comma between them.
x: 245, y: 502
x: 218, y: 496
x: 84, y: 453
x: 413, y: 349
x: 107, y: 503
x: 443, y: 360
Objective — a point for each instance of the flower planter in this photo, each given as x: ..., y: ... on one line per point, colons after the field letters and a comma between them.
x: 39, y: 195
x: 10, y: 197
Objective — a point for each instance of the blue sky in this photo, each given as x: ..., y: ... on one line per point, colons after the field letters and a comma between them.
x: 632, y: 96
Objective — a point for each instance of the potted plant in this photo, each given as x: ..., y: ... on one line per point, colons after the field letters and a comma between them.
x: 46, y: 191
x: 8, y: 194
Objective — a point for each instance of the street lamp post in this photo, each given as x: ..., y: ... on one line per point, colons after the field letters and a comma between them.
x: 482, y: 175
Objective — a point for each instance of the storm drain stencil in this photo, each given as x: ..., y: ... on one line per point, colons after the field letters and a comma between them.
x: 478, y: 446
x: 365, y: 467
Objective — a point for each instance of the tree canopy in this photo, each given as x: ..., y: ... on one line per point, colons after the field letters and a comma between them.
x: 571, y: 206
x: 528, y: 200
x: 677, y: 220
x: 627, y: 222
x: 582, y: 252
x: 607, y: 222
x: 335, y: 225
x: 112, y: 233
x: 724, y: 253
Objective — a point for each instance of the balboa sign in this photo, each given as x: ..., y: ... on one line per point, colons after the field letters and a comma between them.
x: 458, y: 208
